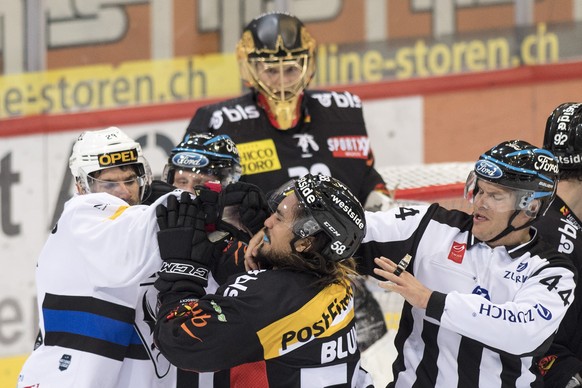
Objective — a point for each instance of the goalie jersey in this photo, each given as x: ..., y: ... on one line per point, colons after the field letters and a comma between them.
x: 331, y: 140
x: 96, y: 299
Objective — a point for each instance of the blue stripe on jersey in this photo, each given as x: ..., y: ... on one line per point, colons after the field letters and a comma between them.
x: 90, y: 325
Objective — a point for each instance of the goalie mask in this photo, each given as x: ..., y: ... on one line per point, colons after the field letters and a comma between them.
x: 276, y: 56
x: 99, y: 150
x: 325, y: 205
x: 563, y: 136
x: 204, y: 154
x: 529, y: 173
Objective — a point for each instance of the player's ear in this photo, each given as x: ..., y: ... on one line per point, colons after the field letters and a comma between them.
x: 533, y: 208
x: 79, y: 188
x: 304, y: 244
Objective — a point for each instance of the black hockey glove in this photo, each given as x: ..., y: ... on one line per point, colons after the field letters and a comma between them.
x: 185, y: 248
x: 251, y: 201
x: 208, y: 195
x: 155, y: 190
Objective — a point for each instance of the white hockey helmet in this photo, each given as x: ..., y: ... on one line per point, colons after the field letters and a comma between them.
x: 111, y: 147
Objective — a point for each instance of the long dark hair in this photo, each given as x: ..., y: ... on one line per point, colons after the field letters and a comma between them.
x: 327, y: 271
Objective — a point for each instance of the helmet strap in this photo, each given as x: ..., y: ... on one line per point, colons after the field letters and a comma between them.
x: 510, y: 228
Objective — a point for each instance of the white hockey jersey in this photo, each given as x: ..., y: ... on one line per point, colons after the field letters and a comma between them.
x: 492, y: 311
x: 96, y: 299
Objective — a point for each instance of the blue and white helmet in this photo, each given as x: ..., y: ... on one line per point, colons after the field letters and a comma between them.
x: 517, y: 165
x: 207, y: 154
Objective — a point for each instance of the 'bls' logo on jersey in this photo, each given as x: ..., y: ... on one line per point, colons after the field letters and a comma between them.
x: 457, y: 252
x: 237, y: 113
x: 342, y: 100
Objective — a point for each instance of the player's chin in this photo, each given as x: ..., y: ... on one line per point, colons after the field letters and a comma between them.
x: 482, y: 231
x: 263, y: 260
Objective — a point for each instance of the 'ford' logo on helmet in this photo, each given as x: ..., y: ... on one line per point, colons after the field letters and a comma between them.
x: 189, y: 160
x: 488, y: 169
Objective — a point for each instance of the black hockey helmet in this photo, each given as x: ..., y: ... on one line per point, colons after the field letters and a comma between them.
x: 563, y: 135
x: 325, y: 205
x: 207, y: 154
x: 276, y: 35
x: 276, y: 57
x: 531, y: 172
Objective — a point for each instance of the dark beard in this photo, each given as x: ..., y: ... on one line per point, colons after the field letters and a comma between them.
x: 269, y: 260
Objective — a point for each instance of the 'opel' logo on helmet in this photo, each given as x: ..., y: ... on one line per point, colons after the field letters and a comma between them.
x: 189, y: 160
x: 488, y: 169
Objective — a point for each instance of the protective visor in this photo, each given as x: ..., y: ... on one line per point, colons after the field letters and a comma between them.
x: 505, y: 199
x: 285, y: 201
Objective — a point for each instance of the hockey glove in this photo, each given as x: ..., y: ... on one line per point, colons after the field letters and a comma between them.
x: 185, y: 248
x: 155, y: 190
x: 208, y: 195
x: 215, y: 213
x: 251, y: 201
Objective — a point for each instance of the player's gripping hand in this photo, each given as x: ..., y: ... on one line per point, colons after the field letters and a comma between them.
x: 185, y: 248
x: 208, y: 195
x: 155, y: 190
x: 251, y: 201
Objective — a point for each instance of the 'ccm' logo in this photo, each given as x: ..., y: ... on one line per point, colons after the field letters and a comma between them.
x: 117, y: 158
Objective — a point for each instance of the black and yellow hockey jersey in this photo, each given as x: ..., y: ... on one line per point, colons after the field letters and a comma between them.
x: 266, y: 329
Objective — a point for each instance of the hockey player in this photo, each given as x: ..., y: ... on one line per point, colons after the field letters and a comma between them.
x: 92, y: 276
x: 562, y: 364
x: 292, y: 325
x: 96, y: 272
x: 213, y: 160
x: 285, y: 131
x: 201, y: 158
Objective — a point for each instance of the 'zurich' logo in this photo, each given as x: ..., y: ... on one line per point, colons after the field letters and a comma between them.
x: 543, y: 312
x: 488, y: 169
x: 189, y: 160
